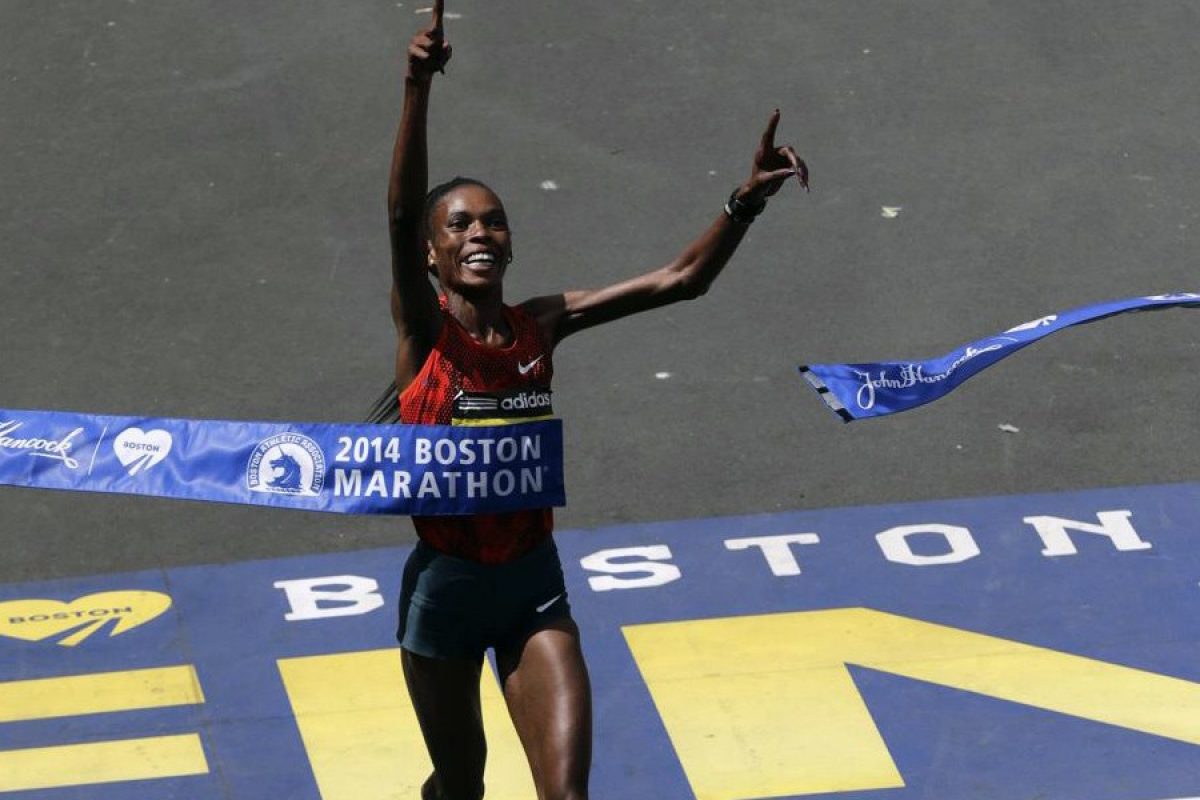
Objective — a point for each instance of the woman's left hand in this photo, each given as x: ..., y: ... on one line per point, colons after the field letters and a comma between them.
x: 772, y: 166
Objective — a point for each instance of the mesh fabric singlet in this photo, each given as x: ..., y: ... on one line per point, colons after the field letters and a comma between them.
x: 461, y: 381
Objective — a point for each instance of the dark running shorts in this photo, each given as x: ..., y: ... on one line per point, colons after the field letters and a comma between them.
x: 454, y: 608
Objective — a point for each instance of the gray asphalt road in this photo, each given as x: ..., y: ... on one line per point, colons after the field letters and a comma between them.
x: 191, y: 199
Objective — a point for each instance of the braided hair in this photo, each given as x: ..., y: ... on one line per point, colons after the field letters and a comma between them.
x: 386, y: 410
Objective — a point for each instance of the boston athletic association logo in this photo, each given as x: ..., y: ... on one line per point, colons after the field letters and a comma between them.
x: 287, y: 463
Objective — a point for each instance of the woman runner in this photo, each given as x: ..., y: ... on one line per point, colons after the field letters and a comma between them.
x: 494, y: 580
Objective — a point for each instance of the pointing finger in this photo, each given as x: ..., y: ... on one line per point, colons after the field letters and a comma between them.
x: 768, y: 137
x: 439, y: 10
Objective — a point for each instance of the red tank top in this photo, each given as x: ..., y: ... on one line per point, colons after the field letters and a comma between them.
x: 464, y: 382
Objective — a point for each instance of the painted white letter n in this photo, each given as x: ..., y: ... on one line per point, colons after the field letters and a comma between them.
x: 1113, y: 524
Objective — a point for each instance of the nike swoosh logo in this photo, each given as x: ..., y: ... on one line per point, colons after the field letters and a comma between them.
x: 524, y: 368
x: 549, y: 603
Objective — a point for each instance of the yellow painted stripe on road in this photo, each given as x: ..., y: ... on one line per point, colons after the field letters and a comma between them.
x: 764, y: 706
x: 101, y: 762
x: 362, y: 737
x: 749, y: 718
x: 75, y: 695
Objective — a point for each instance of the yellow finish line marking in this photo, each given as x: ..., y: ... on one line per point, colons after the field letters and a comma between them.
x: 74, y: 695
x: 362, y: 737
x: 763, y: 706
x: 101, y: 762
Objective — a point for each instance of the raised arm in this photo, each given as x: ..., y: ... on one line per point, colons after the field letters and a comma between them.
x: 691, y: 273
x: 414, y: 301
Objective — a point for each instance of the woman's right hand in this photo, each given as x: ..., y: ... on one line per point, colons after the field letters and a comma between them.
x: 429, y: 51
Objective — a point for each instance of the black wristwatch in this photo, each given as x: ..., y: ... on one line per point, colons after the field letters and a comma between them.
x: 742, y: 212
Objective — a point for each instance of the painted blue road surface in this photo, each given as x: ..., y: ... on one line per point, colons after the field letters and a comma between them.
x: 1037, y: 646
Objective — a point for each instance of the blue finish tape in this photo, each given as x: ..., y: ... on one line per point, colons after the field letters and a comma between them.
x: 347, y: 469
x: 859, y: 391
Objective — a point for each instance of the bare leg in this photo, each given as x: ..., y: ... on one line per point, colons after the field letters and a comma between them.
x: 549, y: 697
x: 445, y: 695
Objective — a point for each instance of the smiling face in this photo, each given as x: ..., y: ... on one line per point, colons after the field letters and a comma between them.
x: 469, y: 241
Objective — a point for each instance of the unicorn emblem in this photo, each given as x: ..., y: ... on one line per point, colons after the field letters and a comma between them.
x: 287, y: 463
x: 287, y: 474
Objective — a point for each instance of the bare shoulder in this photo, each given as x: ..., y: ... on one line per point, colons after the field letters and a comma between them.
x: 549, y: 311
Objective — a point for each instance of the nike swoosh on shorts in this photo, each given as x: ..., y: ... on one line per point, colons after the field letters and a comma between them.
x: 549, y: 603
